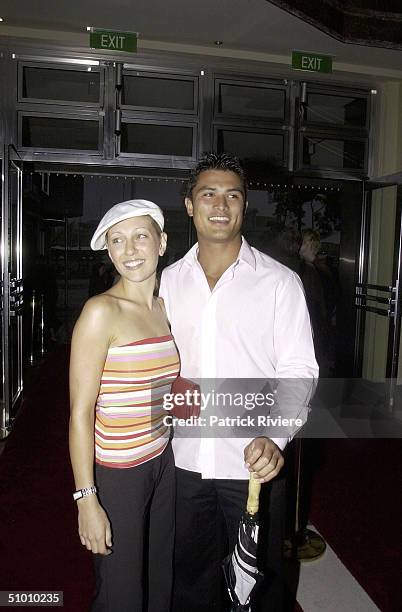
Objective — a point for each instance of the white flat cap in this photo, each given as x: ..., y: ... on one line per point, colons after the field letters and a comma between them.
x: 121, y: 212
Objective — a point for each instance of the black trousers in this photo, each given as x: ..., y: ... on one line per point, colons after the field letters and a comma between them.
x: 139, y: 502
x: 207, y: 520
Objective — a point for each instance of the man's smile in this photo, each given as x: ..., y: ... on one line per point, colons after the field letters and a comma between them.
x: 219, y: 219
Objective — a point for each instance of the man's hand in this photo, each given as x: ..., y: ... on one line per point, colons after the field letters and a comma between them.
x: 264, y: 458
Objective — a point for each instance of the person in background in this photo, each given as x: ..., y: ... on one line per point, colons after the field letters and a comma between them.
x: 310, y: 276
x: 235, y: 313
x: 285, y: 248
x: 320, y: 289
x: 123, y: 361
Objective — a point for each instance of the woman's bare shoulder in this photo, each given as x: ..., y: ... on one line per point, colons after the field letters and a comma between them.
x: 99, y: 309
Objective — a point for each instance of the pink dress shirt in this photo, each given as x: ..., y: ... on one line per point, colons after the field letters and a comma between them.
x: 254, y: 324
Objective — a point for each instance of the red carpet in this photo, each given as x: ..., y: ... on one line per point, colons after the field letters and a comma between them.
x: 39, y: 547
x: 356, y: 504
x: 357, y: 507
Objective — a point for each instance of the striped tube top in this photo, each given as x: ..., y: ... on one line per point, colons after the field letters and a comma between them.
x: 129, y: 427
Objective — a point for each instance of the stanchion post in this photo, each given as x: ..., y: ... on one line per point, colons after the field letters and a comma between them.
x: 42, y: 327
x: 305, y: 544
x: 33, y: 306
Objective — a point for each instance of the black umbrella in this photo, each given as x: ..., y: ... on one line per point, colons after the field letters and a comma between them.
x: 240, y: 567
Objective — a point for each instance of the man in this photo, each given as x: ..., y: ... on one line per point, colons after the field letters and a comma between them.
x: 235, y: 313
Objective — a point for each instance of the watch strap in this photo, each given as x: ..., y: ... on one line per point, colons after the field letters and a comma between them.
x: 80, y: 493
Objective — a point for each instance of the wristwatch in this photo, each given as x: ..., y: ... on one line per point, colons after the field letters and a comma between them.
x: 85, y: 492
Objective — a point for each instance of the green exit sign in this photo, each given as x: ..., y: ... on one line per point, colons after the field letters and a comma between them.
x: 312, y: 62
x: 114, y: 41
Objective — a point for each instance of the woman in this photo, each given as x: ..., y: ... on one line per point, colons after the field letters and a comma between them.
x: 123, y: 360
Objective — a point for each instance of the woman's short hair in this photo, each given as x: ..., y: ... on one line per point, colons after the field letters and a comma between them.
x: 312, y: 236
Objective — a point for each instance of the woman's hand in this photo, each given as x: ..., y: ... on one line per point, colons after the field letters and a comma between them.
x: 93, y: 526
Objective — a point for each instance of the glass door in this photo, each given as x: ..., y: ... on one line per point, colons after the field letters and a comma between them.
x: 378, y: 297
x: 279, y: 218
x: 12, y: 294
x: 61, y: 211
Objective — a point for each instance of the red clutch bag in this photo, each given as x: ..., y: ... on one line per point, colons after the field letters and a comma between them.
x: 186, y: 398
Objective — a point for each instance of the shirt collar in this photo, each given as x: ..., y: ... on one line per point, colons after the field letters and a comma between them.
x: 245, y: 254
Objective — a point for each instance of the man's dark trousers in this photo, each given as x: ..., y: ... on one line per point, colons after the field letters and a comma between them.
x: 207, y: 519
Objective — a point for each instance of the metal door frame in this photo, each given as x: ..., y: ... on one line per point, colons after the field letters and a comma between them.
x: 389, y: 305
x: 12, y: 292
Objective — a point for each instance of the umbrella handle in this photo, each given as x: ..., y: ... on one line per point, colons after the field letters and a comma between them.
x: 254, y: 488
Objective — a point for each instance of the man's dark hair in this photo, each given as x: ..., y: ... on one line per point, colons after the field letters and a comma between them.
x: 216, y: 161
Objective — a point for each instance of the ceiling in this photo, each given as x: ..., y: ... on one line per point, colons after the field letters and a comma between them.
x: 243, y: 25
x: 370, y: 22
